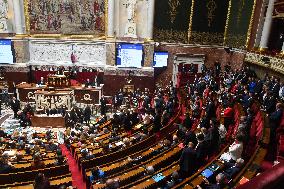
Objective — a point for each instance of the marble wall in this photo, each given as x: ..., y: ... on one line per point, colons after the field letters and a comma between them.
x: 59, y: 52
x: 22, y: 51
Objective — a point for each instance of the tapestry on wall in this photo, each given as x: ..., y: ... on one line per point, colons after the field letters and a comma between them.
x: 239, y: 21
x: 172, y: 20
x: 67, y: 16
x: 209, y: 21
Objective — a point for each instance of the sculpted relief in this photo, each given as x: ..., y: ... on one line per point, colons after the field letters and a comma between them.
x: 67, y: 16
x: 3, y: 15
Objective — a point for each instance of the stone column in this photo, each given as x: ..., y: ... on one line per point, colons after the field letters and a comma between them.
x: 110, y: 28
x: 282, y: 51
x: 150, y: 22
x: 18, y: 17
x: 117, y: 18
x: 267, y: 25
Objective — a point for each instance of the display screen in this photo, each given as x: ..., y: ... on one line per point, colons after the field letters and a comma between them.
x: 160, y: 59
x: 6, y: 54
x: 129, y: 55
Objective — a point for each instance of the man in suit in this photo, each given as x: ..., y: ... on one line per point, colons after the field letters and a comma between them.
x: 220, y: 183
x: 188, y: 161
x: 233, y: 168
x: 275, y: 120
x: 103, y: 105
x: 87, y: 114
x: 41, y: 82
x: 15, y: 105
x: 201, y: 149
x: 88, y: 83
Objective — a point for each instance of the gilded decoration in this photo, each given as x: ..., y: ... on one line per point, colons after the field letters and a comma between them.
x: 65, y: 17
x: 227, y: 22
x: 250, y: 24
x: 211, y: 8
x: 236, y: 40
x: 275, y: 63
x: 207, y: 38
x: 171, y: 35
x: 190, y: 20
x: 173, y: 4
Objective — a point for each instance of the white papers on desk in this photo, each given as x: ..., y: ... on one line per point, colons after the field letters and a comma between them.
x: 139, y: 126
x: 10, y: 152
x: 119, y: 143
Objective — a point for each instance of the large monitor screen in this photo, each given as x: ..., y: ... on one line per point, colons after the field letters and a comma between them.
x: 6, y: 54
x: 160, y: 59
x: 129, y: 55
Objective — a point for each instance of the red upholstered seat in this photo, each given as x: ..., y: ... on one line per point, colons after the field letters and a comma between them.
x: 259, y: 131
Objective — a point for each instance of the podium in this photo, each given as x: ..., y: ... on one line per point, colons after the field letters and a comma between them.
x: 58, y: 81
x: 53, y: 99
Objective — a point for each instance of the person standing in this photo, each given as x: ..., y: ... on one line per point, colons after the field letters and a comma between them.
x: 15, y: 105
x: 87, y: 114
x: 188, y: 161
x: 103, y: 105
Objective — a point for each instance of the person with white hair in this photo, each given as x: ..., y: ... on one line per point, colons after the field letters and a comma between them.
x: 150, y: 170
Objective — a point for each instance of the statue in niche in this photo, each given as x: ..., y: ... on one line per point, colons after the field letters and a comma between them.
x: 131, y: 6
x: 3, y: 9
x: 130, y: 29
x: 3, y: 15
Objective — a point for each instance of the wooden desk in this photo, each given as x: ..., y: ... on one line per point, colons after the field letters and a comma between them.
x: 48, y: 121
x: 83, y: 95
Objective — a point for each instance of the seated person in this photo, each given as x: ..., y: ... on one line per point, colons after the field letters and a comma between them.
x: 88, y: 83
x: 41, y: 82
x: 235, y: 150
x: 5, y: 166
x: 41, y: 182
x: 51, y: 146
x: 37, y: 163
x: 233, y: 169
x: 53, y: 111
x: 175, y: 179
x: 96, y: 174
x: 60, y: 160
x: 220, y: 183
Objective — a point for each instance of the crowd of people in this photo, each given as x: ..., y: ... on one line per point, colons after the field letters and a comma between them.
x: 213, y: 90
x: 211, y: 94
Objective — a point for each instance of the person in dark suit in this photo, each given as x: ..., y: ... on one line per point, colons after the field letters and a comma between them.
x: 88, y: 83
x: 233, y: 168
x: 190, y: 137
x: 5, y: 167
x: 210, y: 109
x: 275, y: 120
x: 157, y: 122
x: 220, y: 183
x: 87, y: 114
x: 41, y: 82
x: 15, y: 105
x: 41, y: 182
x: 201, y: 149
x: 213, y: 138
x: 53, y: 111
x: 103, y: 105
x: 188, y: 161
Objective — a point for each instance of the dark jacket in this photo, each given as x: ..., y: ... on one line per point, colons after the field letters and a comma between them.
x: 188, y: 160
